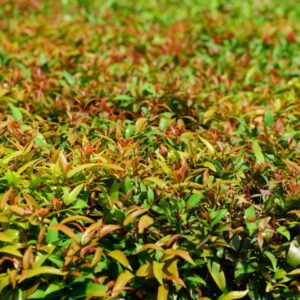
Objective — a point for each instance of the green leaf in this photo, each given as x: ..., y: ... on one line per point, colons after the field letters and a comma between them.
x: 69, y: 78
x: 194, y: 200
x: 217, y: 274
x: 52, y: 235
x: 16, y: 112
x: 283, y: 230
x: 73, y: 195
x: 216, y: 216
x: 244, y: 269
x: 272, y: 258
x: 258, y: 152
x: 250, y: 213
x: 196, y: 279
x: 293, y: 256
x: 164, y: 123
x: 268, y: 120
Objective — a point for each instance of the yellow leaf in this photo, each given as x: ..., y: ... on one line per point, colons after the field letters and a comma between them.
x: 144, y: 223
x: 5, y: 198
x: 209, y: 165
x: 224, y: 181
x: 95, y: 294
x: 133, y: 215
x: 89, y: 231
x: 11, y: 250
x: 4, y: 281
x: 158, y: 272
x: 106, y: 229
x: 121, y: 282
x: 10, y: 156
x: 296, y: 212
x: 156, y: 180
x: 28, y: 165
x: 40, y: 270
x: 150, y: 246
x: 183, y: 254
x: 162, y: 293
x: 97, y: 257
x: 188, y: 185
x: 170, y: 268
x: 93, y: 165
x: 120, y: 257
x: 77, y: 218
x: 210, y: 148
x: 294, y: 272
x: 139, y: 124
x: 5, y: 237
x: 145, y: 270
x: 234, y: 295
x: 65, y: 229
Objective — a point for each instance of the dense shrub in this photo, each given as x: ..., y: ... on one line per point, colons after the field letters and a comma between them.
x: 149, y: 150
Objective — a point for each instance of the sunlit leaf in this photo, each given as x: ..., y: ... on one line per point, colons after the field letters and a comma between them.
x: 121, y: 282
x: 233, y: 295
x: 163, y: 293
x: 217, y: 274
x: 65, y: 229
x: 120, y: 257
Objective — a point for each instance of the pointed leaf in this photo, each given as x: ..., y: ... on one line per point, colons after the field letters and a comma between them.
x: 11, y: 250
x: 144, y: 223
x: 233, y: 295
x: 194, y: 200
x: 40, y: 270
x: 158, y: 272
x: 258, y: 152
x: 145, y: 270
x: 183, y: 254
x: 65, y: 229
x: 139, y: 125
x: 120, y: 257
x: 16, y: 112
x: 121, y: 282
x: 134, y: 215
x: 217, y: 274
x: 150, y: 246
x: 4, y: 237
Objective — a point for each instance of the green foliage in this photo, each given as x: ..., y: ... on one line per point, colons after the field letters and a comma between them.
x: 149, y: 149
